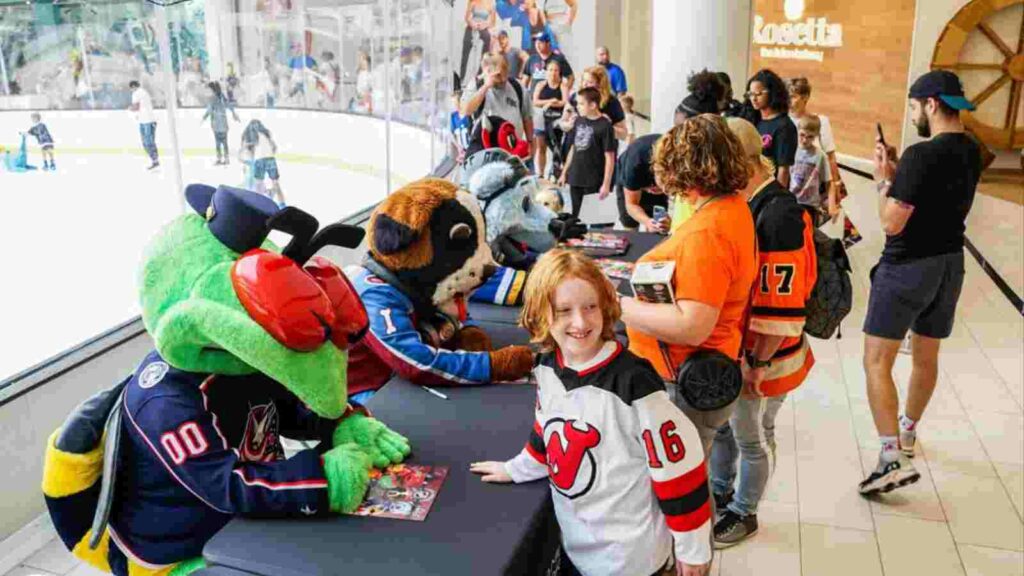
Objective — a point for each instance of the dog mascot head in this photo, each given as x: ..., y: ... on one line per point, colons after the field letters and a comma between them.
x: 430, y: 236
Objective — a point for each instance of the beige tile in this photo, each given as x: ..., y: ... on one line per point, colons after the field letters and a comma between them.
x: 86, y: 570
x: 950, y: 445
x: 53, y: 557
x: 828, y: 492
x: 979, y: 511
x: 26, y: 571
x: 981, y: 391
x: 918, y: 500
x: 912, y: 546
x: 863, y: 424
x: 1012, y: 477
x: 838, y: 551
x: 1001, y: 434
x: 979, y: 561
x: 774, y: 550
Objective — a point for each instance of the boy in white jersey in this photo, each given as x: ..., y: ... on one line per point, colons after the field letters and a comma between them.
x: 625, y: 465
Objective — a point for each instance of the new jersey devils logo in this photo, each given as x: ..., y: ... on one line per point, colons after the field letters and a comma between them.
x: 572, y: 467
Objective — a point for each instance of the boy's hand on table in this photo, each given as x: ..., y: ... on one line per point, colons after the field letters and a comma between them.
x: 491, y: 472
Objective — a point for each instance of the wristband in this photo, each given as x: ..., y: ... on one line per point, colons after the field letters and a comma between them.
x: 754, y: 363
x: 882, y: 184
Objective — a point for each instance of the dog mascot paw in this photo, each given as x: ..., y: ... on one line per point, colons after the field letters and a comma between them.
x: 520, y: 222
x: 251, y: 345
x: 427, y: 254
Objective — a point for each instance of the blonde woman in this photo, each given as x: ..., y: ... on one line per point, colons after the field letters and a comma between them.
x: 597, y: 77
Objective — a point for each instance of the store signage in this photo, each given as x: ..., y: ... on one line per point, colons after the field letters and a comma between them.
x: 796, y: 39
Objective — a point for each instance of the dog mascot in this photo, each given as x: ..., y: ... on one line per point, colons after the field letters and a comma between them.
x: 521, y: 223
x: 427, y: 254
x: 250, y: 346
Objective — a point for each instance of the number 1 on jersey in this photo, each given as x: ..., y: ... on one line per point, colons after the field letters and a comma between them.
x: 388, y: 324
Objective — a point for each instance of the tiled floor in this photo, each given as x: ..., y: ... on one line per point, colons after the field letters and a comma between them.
x: 963, y: 518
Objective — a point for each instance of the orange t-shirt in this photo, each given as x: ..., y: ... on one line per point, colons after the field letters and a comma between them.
x: 716, y: 263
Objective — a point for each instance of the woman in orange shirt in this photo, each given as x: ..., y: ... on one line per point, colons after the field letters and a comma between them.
x: 701, y: 162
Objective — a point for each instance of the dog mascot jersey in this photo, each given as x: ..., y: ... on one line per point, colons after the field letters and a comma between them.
x: 427, y: 254
x: 251, y: 345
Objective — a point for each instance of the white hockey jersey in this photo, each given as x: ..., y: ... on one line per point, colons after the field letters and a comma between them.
x: 625, y: 465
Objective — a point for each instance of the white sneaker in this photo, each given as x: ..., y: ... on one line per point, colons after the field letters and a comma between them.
x: 889, y: 476
x: 908, y: 440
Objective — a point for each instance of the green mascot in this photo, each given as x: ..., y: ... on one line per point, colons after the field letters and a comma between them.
x: 251, y: 345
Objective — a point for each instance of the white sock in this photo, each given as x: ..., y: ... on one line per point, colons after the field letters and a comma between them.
x: 908, y: 425
x: 890, y: 448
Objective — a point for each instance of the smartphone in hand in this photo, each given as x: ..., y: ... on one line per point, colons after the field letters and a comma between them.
x: 881, y: 136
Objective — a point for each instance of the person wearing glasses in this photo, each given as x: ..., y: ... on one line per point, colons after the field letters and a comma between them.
x: 770, y: 99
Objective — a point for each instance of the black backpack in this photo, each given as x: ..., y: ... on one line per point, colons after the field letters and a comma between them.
x: 832, y: 297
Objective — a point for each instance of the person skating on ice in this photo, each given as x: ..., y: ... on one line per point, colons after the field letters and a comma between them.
x: 217, y: 112
x: 42, y: 135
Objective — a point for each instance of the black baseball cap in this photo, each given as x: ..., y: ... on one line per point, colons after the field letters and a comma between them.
x: 945, y: 86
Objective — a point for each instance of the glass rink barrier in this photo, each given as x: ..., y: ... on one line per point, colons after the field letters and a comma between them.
x: 324, y: 105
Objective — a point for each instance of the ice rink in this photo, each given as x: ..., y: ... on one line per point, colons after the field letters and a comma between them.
x: 73, y: 237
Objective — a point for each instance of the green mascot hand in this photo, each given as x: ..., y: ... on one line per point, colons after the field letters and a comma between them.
x: 348, y: 475
x: 383, y: 445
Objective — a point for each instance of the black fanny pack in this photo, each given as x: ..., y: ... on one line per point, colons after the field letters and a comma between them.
x: 708, y: 380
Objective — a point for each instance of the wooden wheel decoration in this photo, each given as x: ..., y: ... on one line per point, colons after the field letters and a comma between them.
x: 975, y: 17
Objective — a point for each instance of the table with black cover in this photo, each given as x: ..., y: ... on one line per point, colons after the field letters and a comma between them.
x: 491, y: 316
x: 473, y: 528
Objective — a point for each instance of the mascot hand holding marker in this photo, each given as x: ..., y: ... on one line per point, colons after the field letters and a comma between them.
x: 521, y: 213
x: 251, y: 345
x: 427, y: 255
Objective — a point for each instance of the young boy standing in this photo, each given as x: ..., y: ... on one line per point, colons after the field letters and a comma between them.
x: 626, y: 469
x: 44, y: 139
x: 591, y: 161
x: 811, y: 175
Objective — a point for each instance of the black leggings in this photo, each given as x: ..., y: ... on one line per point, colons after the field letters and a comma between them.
x: 467, y: 47
x: 221, y: 139
x: 577, y: 193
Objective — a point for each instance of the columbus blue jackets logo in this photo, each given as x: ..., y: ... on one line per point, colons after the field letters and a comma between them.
x: 261, y: 442
x: 153, y: 374
x: 572, y: 467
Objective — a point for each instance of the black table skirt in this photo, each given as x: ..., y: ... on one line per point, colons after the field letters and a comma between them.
x: 473, y: 528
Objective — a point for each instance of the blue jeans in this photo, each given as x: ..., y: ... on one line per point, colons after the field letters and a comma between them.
x: 148, y: 131
x: 749, y: 438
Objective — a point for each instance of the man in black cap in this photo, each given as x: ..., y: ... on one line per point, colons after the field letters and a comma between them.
x: 537, y: 65
x: 924, y: 198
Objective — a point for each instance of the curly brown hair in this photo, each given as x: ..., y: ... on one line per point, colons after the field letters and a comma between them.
x: 701, y: 155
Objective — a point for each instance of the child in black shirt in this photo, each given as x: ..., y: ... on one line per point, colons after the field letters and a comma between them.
x: 591, y: 160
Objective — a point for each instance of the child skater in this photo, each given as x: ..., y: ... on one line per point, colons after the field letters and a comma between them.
x: 44, y: 139
x: 625, y: 465
x: 259, y: 145
x: 217, y: 112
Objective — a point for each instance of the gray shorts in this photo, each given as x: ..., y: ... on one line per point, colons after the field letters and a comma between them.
x: 920, y: 295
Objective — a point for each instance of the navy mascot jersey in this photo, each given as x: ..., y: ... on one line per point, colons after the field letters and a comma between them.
x: 198, y: 449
